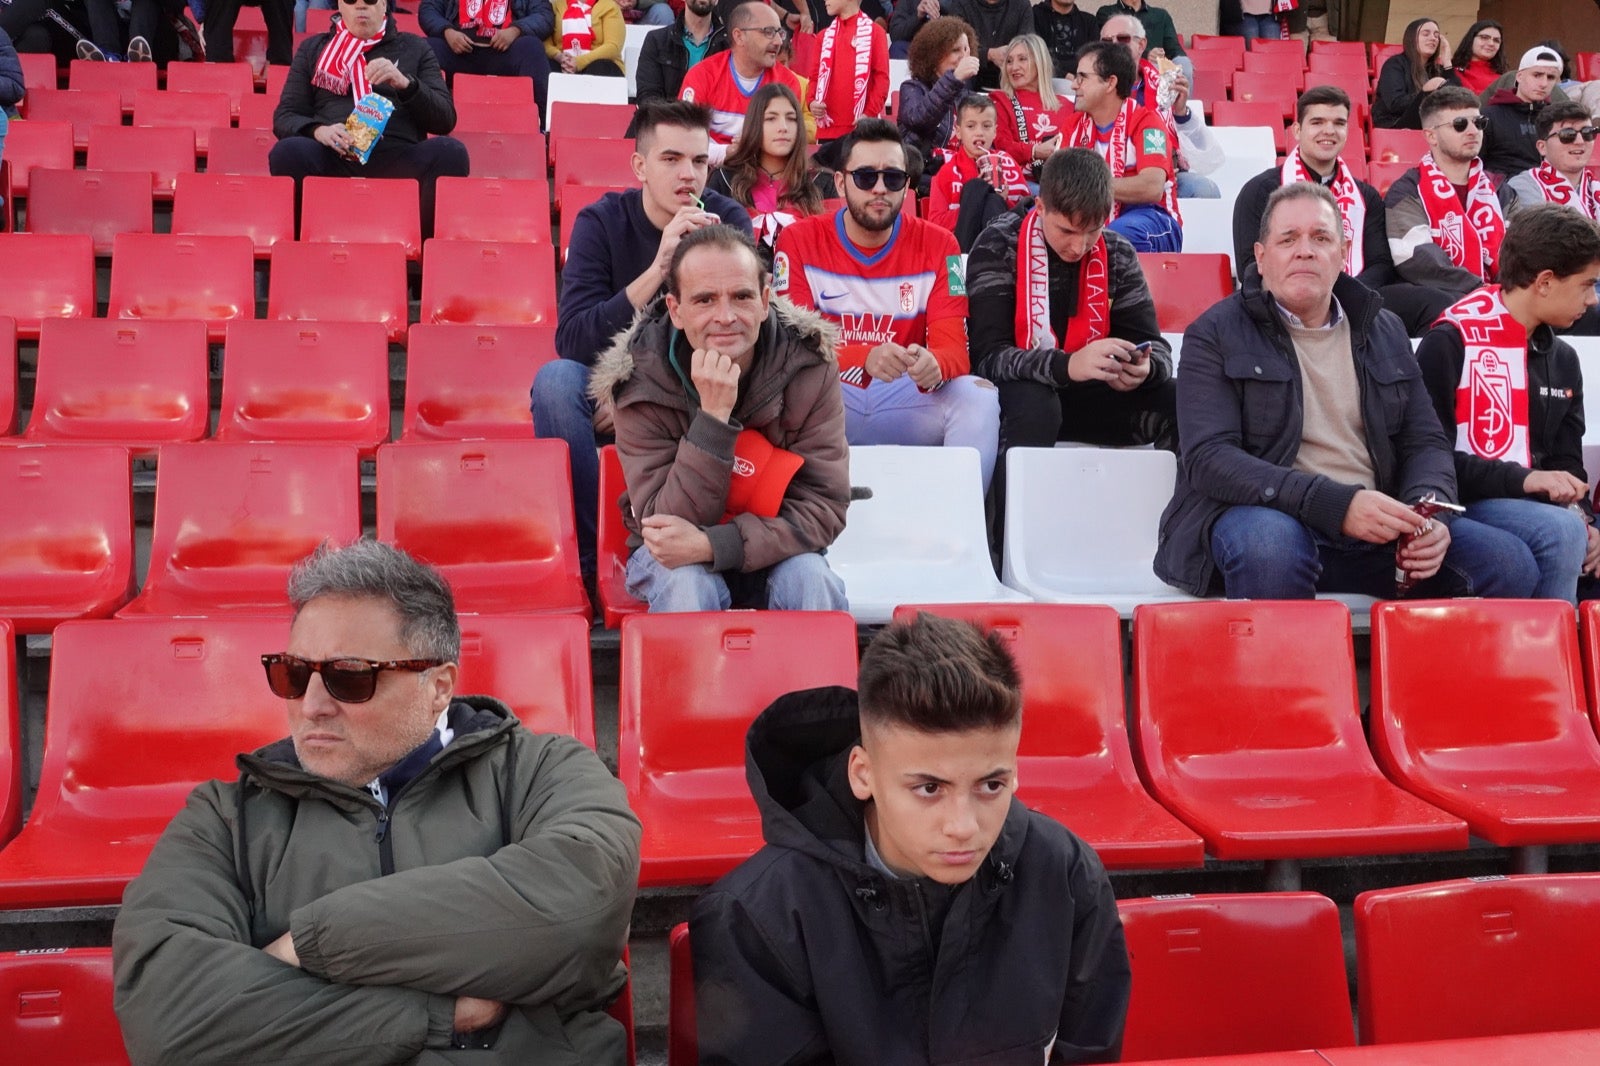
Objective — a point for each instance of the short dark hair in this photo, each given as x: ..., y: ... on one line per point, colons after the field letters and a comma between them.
x: 373, y: 570
x: 1549, y: 237
x: 1112, y: 61
x: 872, y: 131
x: 938, y: 675
x: 1298, y: 190
x: 1555, y: 114
x: 725, y: 237
x: 652, y: 114
x: 1446, y: 98
x: 974, y: 102
x: 1320, y: 96
x: 1076, y: 182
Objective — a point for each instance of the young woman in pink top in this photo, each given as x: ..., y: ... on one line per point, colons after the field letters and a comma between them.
x: 768, y: 169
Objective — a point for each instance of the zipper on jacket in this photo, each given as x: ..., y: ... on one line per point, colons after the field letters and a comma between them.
x: 385, y: 848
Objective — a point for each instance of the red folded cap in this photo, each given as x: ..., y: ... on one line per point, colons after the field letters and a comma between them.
x: 761, y: 476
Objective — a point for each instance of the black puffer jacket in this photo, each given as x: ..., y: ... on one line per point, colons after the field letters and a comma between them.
x: 11, y: 80
x: 808, y: 954
x: 664, y: 58
x: 421, y: 108
x: 1510, y: 144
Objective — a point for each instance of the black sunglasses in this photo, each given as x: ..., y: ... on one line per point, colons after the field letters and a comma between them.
x: 866, y: 178
x: 1460, y: 124
x: 1120, y: 38
x: 368, y: 3
x: 1568, y: 135
x: 347, y: 680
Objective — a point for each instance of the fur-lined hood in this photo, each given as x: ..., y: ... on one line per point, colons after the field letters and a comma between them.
x: 651, y: 329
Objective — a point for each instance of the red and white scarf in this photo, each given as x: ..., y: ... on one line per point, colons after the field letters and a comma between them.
x: 343, y: 64
x: 1492, y: 396
x: 1115, y: 152
x: 1471, y: 238
x: 861, y: 48
x: 484, y: 17
x: 1558, y: 190
x: 1093, y: 320
x: 1352, y: 208
x: 1149, y: 93
x: 577, y: 27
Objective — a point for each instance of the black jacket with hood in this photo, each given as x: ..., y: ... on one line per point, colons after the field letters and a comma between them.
x: 1510, y: 144
x: 806, y: 954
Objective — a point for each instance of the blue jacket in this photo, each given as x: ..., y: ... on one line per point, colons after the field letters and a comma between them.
x: 1240, y: 416
x: 11, y: 84
x: 613, y: 240
x: 534, y: 18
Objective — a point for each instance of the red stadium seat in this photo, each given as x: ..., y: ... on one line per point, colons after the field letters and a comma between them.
x: 250, y: 39
x: 1381, y: 54
x: 7, y: 199
x: 168, y: 276
x: 572, y: 122
x: 1341, y: 48
x: 340, y: 283
x: 1354, y: 62
x: 232, y: 205
x: 140, y: 712
x: 306, y: 381
x: 9, y: 378
x: 689, y: 687
x: 235, y: 80
x: 595, y: 161
x: 197, y: 112
x: 231, y: 519
x: 1354, y: 83
x: 1184, y: 285
x: 1383, y: 175
x: 256, y: 110
x: 491, y: 89
x: 38, y: 71
x: 1279, y: 90
x: 494, y: 516
x: 45, y: 276
x: 165, y: 151
x: 1210, y: 83
x: 1248, y: 729
x: 571, y: 201
x: 487, y: 282
x: 1589, y: 639
x: 240, y: 151
x: 683, y: 1043
x: 124, y: 79
x: 1478, y: 957
x: 1279, y: 63
x: 10, y: 739
x: 1074, y: 763
x: 368, y: 210
x: 1397, y: 146
x: 538, y: 665
x: 66, y: 534
x: 1478, y: 707
x: 497, y: 118
x: 83, y: 108
x: 142, y: 384
x: 505, y: 155
x: 611, y: 544
x: 1234, y: 974
x: 492, y: 209
x: 101, y: 203
x: 277, y: 77
x: 1235, y: 113
x: 1587, y: 65
x: 1289, y: 46
x: 1214, y: 49
x: 59, y: 1002
x: 490, y: 402
x: 37, y: 143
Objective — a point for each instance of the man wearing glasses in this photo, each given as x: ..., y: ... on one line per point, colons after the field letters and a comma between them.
x: 1194, y: 147
x: 1509, y: 142
x: 893, y: 285
x: 726, y: 81
x: 1566, y: 134
x: 407, y: 872
x: 1445, y: 220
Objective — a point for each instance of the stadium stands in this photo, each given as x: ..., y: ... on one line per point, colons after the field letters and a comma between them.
x: 306, y: 381
x: 178, y: 276
x: 59, y: 1007
x: 491, y: 402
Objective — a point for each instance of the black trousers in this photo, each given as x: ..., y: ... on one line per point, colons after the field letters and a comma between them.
x: 427, y: 161
x: 222, y: 14
x: 1417, y: 305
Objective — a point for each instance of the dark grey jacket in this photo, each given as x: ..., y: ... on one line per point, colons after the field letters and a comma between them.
x: 1240, y: 415
x: 422, y: 107
x: 11, y: 80
x: 664, y: 59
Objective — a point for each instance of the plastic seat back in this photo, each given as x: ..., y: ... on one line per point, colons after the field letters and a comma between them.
x: 231, y: 519
x: 124, y: 79
x: 66, y: 534
x: 234, y: 80
x: 38, y: 71
x: 689, y: 687
x: 494, y: 516
x: 537, y: 665
x: 58, y: 1007
x: 1234, y: 974
x: 505, y: 155
x: 306, y: 381
x: 10, y: 739
x: 165, y: 151
x: 1589, y: 636
x: 370, y: 210
x: 45, y: 275
x: 1383, y: 175
x: 576, y: 118
x: 1208, y: 228
x: 591, y: 160
x: 1396, y: 146
x: 582, y: 89
x: 683, y: 1043
x: 493, y: 209
x: 491, y: 89
x: 137, y: 383
x: 1281, y: 64
x: 239, y: 151
x: 319, y: 282
x: 175, y: 276
x: 1478, y: 957
x: 490, y: 400
x: 82, y: 108
x: 611, y: 543
x: 488, y: 283
x: 101, y: 203
x: 10, y: 377
x: 1251, y: 146
x: 140, y: 712
x: 1279, y: 90
x: 233, y: 205
x: 198, y: 112
x: 37, y: 143
x: 1185, y: 285
x: 497, y: 118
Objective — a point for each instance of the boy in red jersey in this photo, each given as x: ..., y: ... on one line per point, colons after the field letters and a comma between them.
x: 977, y: 182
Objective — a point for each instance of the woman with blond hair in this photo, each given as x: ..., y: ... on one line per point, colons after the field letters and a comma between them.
x: 1031, y: 117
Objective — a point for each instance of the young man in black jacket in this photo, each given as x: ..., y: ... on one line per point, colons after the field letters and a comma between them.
x: 907, y: 907
x: 669, y: 52
x: 1514, y: 405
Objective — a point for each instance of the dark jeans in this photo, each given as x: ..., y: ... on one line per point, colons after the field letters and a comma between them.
x: 562, y: 410
x: 1418, y: 306
x: 222, y: 14
x: 605, y: 68
x: 427, y: 161
x: 525, y: 58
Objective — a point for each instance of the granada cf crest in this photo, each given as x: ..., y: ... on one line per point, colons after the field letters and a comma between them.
x: 1450, y: 238
x: 908, y: 298
x: 1489, y: 411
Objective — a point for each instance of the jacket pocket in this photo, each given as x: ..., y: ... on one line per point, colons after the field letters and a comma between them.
x: 1265, y: 384
x: 1390, y: 380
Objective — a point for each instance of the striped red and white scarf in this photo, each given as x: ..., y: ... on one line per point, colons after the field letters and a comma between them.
x: 861, y: 48
x: 1033, y: 328
x: 1471, y: 238
x: 1558, y: 190
x: 1352, y: 208
x: 343, y: 64
x: 1492, y: 395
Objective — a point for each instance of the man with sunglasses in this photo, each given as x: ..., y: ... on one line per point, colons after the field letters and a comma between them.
x: 1445, y: 219
x: 893, y: 286
x: 408, y: 872
x: 725, y: 82
x: 1566, y: 135
x: 1509, y: 141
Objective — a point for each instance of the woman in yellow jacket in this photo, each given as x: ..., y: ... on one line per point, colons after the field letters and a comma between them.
x: 587, y: 38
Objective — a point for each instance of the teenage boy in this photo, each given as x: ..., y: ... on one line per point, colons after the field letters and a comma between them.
x: 850, y: 80
x: 1566, y: 144
x: 907, y: 908
x: 977, y: 182
x: 1513, y: 401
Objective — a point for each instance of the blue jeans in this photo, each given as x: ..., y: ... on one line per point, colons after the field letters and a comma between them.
x: 1192, y: 186
x: 301, y: 7
x: 1267, y: 26
x: 799, y: 583
x: 1263, y: 554
x: 562, y: 410
x: 964, y: 412
x: 1148, y: 228
x: 657, y: 14
x: 1557, y: 537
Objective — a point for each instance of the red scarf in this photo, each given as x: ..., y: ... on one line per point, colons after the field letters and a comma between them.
x: 1558, y: 190
x: 484, y: 17
x: 1352, y: 208
x: 343, y: 64
x: 996, y: 168
x: 861, y: 49
x: 1093, y: 320
x: 1471, y: 238
x: 1086, y: 135
x: 1150, y: 93
x: 1492, y: 396
x: 577, y: 27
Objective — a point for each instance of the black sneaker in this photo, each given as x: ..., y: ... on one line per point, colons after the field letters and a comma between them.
x: 87, y: 49
x: 139, y: 51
